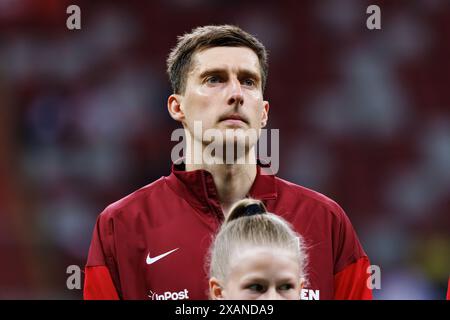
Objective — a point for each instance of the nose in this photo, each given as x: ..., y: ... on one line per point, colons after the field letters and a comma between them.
x: 236, y: 97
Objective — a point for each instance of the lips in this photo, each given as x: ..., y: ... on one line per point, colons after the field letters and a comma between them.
x: 233, y: 117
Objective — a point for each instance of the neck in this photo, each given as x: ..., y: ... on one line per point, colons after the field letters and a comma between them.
x: 233, y: 181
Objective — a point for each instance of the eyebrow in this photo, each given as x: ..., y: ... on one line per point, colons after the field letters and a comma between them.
x: 258, y: 278
x: 248, y: 280
x: 241, y: 72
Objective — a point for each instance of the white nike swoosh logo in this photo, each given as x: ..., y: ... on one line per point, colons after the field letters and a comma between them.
x: 154, y: 259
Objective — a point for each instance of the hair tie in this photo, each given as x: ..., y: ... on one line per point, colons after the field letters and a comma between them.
x: 253, y: 209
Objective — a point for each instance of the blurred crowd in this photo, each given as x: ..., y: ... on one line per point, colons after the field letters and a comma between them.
x: 364, y: 117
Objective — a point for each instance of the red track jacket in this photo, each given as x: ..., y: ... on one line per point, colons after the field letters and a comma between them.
x: 152, y: 244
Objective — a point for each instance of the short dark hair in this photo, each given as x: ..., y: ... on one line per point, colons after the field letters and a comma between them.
x: 179, y: 60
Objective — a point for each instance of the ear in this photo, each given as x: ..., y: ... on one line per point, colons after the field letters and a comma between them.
x: 265, y: 114
x: 215, y: 289
x: 302, y: 283
x: 174, y: 107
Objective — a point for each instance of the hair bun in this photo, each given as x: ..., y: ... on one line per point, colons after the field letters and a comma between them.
x: 246, y: 208
x: 253, y: 209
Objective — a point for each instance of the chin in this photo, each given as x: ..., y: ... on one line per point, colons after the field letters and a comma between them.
x: 237, y: 142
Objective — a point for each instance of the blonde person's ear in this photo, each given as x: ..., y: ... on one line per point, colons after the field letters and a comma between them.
x: 215, y: 289
x: 302, y: 283
x: 174, y: 107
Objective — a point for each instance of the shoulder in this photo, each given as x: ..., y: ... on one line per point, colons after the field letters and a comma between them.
x: 133, y: 201
x: 321, y: 221
x: 310, y: 200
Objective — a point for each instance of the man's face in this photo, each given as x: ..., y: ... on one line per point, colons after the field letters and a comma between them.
x: 224, y: 91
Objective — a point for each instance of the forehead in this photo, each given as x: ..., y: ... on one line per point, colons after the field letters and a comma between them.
x: 264, y: 261
x: 230, y: 58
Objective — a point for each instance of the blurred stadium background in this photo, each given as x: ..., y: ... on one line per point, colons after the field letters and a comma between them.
x: 364, y: 117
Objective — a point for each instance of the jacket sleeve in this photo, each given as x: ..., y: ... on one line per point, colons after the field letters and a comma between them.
x: 351, y: 283
x: 351, y: 264
x: 448, y: 289
x: 100, y: 267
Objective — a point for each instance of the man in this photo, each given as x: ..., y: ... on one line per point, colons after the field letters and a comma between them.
x: 152, y: 244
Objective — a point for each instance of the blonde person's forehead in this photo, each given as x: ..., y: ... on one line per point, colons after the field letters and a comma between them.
x: 263, y: 261
x: 261, y: 254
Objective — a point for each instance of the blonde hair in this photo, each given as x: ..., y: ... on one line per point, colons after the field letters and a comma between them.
x: 249, y: 223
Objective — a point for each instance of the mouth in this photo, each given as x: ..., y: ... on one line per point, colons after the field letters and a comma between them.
x: 234, y: 119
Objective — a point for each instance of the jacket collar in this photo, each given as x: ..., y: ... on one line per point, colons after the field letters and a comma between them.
x: 199, y: 189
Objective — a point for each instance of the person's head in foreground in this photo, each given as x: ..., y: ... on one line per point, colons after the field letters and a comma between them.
x: 256, y: 255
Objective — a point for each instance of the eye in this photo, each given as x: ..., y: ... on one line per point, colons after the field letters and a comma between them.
x: 249, y: 82
x: 286, y: 286
x: 213, y: 79
x: 256, y: 287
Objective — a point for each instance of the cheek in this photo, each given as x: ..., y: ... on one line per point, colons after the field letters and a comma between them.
x: 256, y: 116
x: 194, y: 112
x: 256, y: 106
x: 201, y: 96
x: 242, y: 294
x: 198, y: 106
x: 294, y: 294
x: 205, y: 92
